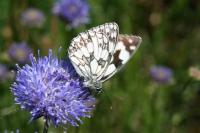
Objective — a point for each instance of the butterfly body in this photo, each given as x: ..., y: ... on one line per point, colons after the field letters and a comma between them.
x: 93, y: 84
x: 100, y: 52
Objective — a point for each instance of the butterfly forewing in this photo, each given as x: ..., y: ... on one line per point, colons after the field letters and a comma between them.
x: 125, y: 48
x: 91, y: 51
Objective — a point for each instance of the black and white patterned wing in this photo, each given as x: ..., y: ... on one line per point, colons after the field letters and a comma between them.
x: 91, y: 51
x: 125, y: 49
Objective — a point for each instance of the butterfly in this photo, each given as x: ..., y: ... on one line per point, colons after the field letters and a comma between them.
x: 98, y: 53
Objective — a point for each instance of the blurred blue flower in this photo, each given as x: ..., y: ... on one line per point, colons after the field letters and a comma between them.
x: 19, y: 52
x: 74, y: 12
x: 51, y: 88
x: 161, y: 74
x: 32, y: 18
x: 3, y: 72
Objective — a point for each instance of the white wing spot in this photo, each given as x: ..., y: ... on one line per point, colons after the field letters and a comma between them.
x: 105, y: 39
x: 94, y: 65
x: 91, y: 33
x: 111, y: 26
x: 83, y: 69
x: 84, y: 36
x: 124, y: 56
x: 85, y: 51
x: 100, y: 52
x: 87, y: 68
x: 107, y: 29
x: 132, y: 47
x: 111, y: 68
x: 78, y: 54
x: 76, y: 39
x: 99, y: 35
x: 130, y: 40
x: 90, y: 47
x: 75, y: 60
x: 98, y: 69
x: 104, y: 54
x: 78, y: 69
x: 95, y: 44
x: 111, y: 46
x: 120, y: 46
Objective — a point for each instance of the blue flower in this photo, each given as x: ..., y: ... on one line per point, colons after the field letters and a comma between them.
x: 19, y: 52
x: 161, y: 74
x: 32, y: 18
x: 51, y: 88
x: 3, y: 72
x: 74, y: 12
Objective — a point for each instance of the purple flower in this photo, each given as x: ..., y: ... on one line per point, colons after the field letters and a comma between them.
x: 32, y: 18
x: 161, y: 74
x: 3, y: 72
x: 74, y: 12
x: 19, y: 52
x: 51, y: 88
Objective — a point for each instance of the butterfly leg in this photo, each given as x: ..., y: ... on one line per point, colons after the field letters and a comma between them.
x: 99, y: 90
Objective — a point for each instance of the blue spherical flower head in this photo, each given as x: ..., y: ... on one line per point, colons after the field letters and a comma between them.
x: 19, y: 52
x: 32, y: 18
x: 3, y: 72
x: 74, y: 12
x: 51, y: 88
x: 161, y: 74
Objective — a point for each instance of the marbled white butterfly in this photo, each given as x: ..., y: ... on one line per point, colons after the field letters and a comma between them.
x: 97, y: 54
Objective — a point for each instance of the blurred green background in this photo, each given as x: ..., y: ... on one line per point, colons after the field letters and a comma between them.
x: 133, y: 101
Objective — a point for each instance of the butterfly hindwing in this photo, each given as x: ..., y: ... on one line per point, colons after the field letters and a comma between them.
x: 125, y: 49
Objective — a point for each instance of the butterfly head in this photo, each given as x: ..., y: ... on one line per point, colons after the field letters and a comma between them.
x: 94, y: 85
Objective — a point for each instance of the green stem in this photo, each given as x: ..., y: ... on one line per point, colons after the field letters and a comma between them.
x: 46, y: 126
